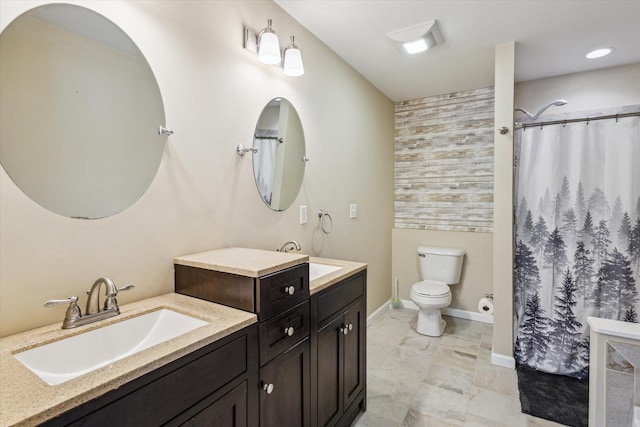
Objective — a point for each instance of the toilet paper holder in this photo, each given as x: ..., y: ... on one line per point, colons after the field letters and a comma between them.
x: 489, y: 295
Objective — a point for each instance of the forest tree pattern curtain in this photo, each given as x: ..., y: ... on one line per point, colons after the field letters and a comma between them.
x: 577, y: 237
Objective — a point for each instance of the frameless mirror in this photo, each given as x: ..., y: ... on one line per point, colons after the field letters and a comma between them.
x: 80, y: 112
x: 279, y: 162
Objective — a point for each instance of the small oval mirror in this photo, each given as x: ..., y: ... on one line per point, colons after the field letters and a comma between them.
x: 80, y: 111
x: 278, y: 164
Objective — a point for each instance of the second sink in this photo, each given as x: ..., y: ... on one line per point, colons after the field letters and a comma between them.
x: 318, y: 270
x: 63, y: 360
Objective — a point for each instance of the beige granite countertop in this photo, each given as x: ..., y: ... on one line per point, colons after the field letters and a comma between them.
x: 242, y: 261
x: 25, y: 399
x: 349, y: 268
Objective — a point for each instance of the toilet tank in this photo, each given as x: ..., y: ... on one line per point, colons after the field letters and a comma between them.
x: 440, y: 264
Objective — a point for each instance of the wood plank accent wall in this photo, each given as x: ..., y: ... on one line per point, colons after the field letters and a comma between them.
x: 444, y: 162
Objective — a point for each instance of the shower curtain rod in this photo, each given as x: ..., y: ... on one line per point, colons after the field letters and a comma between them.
x: 583, y: 119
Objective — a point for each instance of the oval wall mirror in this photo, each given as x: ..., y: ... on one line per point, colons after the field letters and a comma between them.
x: 279, y: 162
x: 80, y: 112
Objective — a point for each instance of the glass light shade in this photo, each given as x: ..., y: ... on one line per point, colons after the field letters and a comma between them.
x: 268, y: 48
x: 293, y: 65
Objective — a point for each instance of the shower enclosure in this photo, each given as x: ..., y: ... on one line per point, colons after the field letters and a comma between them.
x: 577, y: 234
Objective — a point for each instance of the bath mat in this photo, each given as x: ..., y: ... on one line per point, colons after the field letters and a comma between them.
x: 558, y: 398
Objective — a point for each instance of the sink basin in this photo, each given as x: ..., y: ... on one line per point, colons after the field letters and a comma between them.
x: 318, y: 270
x: 71, y: 357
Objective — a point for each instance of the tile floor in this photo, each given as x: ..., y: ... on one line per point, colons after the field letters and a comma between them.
x: 414, y: 380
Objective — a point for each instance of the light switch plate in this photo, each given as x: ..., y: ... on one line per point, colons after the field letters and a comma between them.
x: 353, y: 211
x: 303, y: 214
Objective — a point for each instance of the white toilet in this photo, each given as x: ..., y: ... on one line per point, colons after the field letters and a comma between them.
x: 439, y: 268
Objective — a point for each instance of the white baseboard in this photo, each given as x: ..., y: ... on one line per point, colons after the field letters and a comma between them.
x: 455, y: 312
x: 502, y: 360
x: 471, y: 315
x: 378, y: 313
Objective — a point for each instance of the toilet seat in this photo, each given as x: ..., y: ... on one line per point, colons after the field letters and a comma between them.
x: 429, y: 288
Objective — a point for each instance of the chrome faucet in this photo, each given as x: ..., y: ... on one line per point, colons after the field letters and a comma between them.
x: 290, y: 245
x: 93, y: 313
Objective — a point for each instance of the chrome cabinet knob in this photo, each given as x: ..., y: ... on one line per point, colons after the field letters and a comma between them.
x: 289, y: 290
x: 268, y: 388
x: 346, y: 328
x: 289, y: 331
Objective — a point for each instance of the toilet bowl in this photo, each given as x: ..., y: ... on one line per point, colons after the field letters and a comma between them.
x: 431, y: 297
x: 439, y: 267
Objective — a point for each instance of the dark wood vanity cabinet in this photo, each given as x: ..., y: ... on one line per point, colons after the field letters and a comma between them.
x: 212, y: 386
x: 281, y: 302
x: 302, y: 365
x: 339, y: 352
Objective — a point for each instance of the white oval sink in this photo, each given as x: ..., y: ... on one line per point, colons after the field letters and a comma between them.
x: 318, y: 270
x: 71, y: 357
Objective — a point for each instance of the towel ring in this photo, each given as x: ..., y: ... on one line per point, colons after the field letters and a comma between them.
x: 322, y: 214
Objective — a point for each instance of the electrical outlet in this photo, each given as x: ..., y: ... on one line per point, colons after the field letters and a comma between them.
x: 303, y: 214
x: 353, y: 211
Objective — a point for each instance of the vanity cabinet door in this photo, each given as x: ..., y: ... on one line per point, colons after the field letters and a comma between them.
x: 330, y: 349
x: 228, y: 411
x: 354, y: 352
x: 285, y: 389
x: 339, y: 352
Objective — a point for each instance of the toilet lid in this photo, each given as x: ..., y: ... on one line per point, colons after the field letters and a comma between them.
x: 430, y: 288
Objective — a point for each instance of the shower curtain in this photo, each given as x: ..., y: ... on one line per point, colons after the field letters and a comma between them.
x: 577, y: 237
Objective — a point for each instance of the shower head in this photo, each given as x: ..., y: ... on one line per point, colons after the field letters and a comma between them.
x: 556, y: 103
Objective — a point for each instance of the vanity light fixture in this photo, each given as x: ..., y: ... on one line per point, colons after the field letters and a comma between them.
x: 416, y: 39
x: 599, y: 53
x: 267, y: 46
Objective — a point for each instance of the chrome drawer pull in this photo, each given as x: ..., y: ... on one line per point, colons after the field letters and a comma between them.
x: 289, y: 331
x: 289, y: 290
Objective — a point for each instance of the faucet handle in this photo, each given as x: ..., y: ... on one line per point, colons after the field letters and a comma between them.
x: 126, y: 288
x: 73, y: 311
x: 111, y: 303
x: 73, y: 299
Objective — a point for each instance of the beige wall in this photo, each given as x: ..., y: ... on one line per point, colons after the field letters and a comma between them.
x: 476, y: 279
x: 204, y: 195
x: 592, y: 90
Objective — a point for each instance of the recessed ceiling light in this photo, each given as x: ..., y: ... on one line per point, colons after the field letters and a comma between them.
x: 599, y: 53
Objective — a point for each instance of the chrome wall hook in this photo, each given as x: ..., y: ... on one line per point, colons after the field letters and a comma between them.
x: 241, y: 150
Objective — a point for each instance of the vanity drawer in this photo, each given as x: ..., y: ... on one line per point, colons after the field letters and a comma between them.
x: 282, y: 331
x: 282, y: 290
x: 339, y: 296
